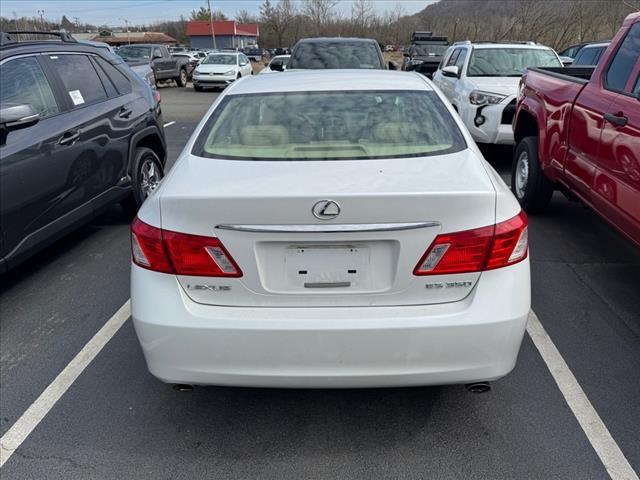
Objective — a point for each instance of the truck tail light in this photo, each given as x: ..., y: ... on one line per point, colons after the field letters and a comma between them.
x: 180, y: 253
x: 484, y: 248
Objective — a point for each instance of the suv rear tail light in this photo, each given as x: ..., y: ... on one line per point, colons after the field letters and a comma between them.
x: 180, y: 253
x: 484, y: 248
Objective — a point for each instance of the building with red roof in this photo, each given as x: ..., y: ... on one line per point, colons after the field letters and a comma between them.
x: 228, y: 33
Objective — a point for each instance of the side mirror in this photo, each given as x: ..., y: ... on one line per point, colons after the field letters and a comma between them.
x: 15, y: 116
x: 392, y: 65
x: 451, y: 71
x: 156, y: 55
x: 277, y: 67
x: 566, y: 61
x: 242, y: 64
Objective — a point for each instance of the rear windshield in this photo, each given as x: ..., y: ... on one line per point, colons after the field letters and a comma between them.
x: 509, y: 62
x: 588, y: 56
x: 135, y: 53
x: 426, y: 50
x: 337, y: 54
x: 220, y: 60
x: 333, y: 125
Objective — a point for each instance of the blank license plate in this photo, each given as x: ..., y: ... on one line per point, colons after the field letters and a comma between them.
x: 327, y: 266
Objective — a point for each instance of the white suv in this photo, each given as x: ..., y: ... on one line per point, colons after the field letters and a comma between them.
x: 481, y: 81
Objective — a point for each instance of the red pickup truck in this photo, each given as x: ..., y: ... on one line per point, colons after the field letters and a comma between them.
x: 577, y: 130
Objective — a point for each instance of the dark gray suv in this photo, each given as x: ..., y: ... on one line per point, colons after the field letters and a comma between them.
x: 324, y: 53
x: 79, y: 130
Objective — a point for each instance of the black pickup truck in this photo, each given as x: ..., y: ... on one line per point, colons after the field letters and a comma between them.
x: 164, y: 65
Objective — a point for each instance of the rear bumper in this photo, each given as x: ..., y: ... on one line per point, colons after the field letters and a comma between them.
x: 337, y: 347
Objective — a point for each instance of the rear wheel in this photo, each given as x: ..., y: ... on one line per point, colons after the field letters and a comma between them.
x: 181, y: 79
x: 528, y: 183
x: 147, y: 172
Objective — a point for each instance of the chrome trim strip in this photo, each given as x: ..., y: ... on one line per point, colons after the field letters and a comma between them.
x: 324, y: 228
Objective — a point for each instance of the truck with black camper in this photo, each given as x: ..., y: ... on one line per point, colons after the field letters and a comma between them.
x: 425, y: 53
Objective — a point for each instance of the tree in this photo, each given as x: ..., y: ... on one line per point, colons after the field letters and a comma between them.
x: 203, y: 14
x: 362, y: 14
x: 277, y: 18
x: 245, y: 17
x: 320, y: 13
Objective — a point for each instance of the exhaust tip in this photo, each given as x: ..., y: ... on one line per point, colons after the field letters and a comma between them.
x: 478, y: 387
x: 183, y: 387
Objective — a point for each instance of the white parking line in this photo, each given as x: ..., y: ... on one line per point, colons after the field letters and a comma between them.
x: 30, y: 419
x: 168, y: 124
x: 594, y: 428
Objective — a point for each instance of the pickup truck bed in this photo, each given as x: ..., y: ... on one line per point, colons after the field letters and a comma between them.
x: 570, y: 74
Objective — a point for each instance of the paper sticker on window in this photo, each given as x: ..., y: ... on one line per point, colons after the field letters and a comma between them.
x: 76, y: 97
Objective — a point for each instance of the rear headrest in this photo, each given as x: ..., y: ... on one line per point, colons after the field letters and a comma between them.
x: 264, y: 135
x: 396, y: 132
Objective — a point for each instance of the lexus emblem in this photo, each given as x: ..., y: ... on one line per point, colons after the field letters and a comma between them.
x: 326, y: 210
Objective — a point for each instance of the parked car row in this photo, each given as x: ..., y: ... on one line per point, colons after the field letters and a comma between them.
x: 393, y: 234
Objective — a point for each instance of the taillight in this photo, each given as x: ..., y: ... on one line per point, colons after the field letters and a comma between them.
x: 484, y: 248
x: 147, y: 248
x: 180, y: 253
x: 156, y: 96
x: 510, y: 242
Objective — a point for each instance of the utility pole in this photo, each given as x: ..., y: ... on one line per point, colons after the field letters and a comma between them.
x: 77, y: 22
x: 15, y: 21
x: 41, y: 13
x: 126, y: 27
x: 213, y: 35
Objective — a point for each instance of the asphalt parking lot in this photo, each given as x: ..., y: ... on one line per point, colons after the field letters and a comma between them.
x: 117, y: 421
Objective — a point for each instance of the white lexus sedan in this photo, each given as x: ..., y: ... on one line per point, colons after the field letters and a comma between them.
x: 330, y: 229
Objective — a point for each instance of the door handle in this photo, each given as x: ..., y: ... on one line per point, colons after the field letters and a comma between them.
x: 620, y: 120
x: 69, y: 138
x: 125, y: 112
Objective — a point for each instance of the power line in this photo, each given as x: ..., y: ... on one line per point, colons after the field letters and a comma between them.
x: 119, y: 7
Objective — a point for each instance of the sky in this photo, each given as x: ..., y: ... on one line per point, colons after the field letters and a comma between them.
x: 114, y: 12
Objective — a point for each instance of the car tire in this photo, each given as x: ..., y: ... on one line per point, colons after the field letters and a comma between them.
x: 197, y: 88
x: 182, y: 78
x: 239, y: 76
x: 146, y: 174
x: 528, y: 183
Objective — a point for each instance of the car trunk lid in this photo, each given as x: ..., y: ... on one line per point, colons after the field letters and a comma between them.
x: 377, y: 219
